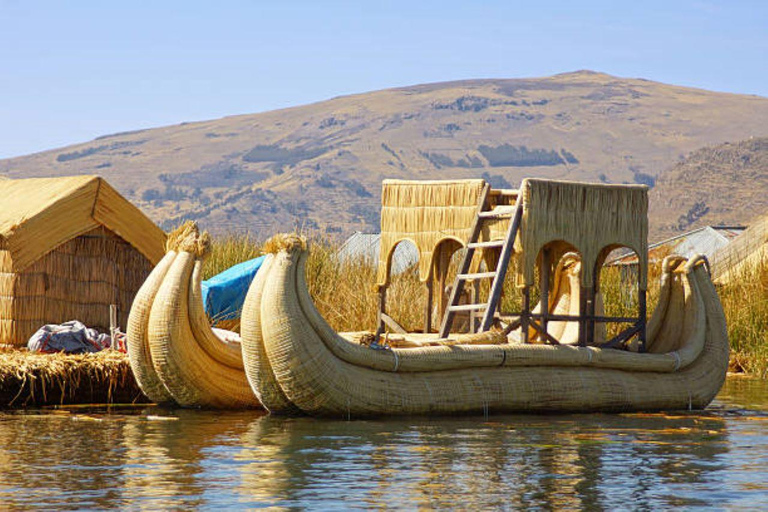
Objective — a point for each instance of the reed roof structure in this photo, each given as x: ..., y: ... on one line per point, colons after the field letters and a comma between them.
x: 742, y: 256
x: 69, y: 247
x: 433, y: 215
x: 591, y: 219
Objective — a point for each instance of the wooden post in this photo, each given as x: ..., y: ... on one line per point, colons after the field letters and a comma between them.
x: 544, y: 287
x: 428, y: 310
x: 642, y: 314
x: 525, y: 314
x: 442, y: 262
x: 475, y: 317
x: 582, y: 315
x: 591, y: 315
x: 382, y: 310
x: 592, y: 304
x: 113, y: 327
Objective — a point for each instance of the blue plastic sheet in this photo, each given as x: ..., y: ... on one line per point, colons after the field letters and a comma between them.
x: 224, y: 294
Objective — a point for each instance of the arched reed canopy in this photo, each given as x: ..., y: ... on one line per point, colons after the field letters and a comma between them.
x: 591, y: 218
x: 429, y: 213
x: 69, y: 247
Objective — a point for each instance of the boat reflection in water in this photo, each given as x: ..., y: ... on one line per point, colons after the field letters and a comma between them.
x: 562, y: 462
x: 158, y: 458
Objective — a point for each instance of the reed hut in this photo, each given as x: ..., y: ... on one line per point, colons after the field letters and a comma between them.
x: 69, y: 248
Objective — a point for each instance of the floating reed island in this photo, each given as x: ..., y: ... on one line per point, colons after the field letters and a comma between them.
x: 559, y: 351
x: 34, y: 380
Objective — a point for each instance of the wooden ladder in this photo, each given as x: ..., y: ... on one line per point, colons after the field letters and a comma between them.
x: 507, y: 246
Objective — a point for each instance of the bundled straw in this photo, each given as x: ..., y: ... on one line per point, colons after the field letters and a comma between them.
x: 428, y: 213
x: 172, y: 349
x: 588, y: 218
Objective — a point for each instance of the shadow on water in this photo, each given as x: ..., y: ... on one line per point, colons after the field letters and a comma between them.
x: 156, y: 458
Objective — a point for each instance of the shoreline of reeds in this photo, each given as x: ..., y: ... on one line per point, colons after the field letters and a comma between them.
x: 30, y: 379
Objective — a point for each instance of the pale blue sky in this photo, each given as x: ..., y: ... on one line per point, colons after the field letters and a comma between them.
x: 70, y: 71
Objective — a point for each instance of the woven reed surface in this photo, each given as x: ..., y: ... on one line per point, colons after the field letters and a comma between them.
x: 33, y: 380
x: 39, y: 214
x: 76, y: 280
x: 257, y: 366
x: 305, y: 364
x: 138, y: 334
x: 589, y: 218
x: 180, y: 354
x: 428, y: 213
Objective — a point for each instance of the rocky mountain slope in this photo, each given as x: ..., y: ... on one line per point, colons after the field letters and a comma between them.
x: 725, y: 184
x: 320, y: 166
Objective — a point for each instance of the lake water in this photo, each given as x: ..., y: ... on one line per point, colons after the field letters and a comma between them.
x: 148, y: 457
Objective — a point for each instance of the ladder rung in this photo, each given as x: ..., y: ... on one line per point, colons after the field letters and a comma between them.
x: 499, y: 211
x: 504, y: 192
x: 477, y: 275
x: 468, y: 307
x: 480, y: 245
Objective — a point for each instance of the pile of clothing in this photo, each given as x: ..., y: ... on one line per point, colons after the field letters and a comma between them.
x: 72, y: 337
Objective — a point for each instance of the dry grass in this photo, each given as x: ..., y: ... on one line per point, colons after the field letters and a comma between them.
x: 745, y: 301
x: 345, y: 295
x: 230, y: 250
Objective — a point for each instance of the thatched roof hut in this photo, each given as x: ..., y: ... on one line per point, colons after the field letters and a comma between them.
x: 69, y: 247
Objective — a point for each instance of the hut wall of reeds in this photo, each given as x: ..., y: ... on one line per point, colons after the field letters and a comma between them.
x: 69, y: 248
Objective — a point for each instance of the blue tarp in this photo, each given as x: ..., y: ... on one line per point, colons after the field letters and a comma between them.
x: 224, y: 293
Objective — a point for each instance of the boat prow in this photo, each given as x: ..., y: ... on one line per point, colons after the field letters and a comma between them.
x: 175, y: 356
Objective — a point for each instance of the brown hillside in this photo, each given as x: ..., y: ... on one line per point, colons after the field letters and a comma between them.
x: 726, y: 184
x: 321, y: 165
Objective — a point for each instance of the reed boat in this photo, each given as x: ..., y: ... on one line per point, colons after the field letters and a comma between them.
x: 176, y: 357
x: 554, y: 358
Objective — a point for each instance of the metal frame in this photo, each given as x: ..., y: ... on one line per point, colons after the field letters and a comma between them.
x: 587, y: 318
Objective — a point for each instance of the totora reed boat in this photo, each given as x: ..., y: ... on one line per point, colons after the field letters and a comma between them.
x: 553, y: 356
x: 296, y: 363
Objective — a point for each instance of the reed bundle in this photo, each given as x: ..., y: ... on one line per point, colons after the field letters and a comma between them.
x: 174, y: 353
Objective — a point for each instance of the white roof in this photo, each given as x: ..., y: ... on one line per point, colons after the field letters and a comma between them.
x: 707, y: 241
x: 366, y: 246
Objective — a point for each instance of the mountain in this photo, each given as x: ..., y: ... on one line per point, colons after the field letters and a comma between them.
x: 320, y: 166
x: 724, y: 184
